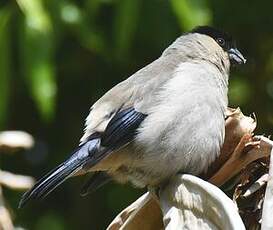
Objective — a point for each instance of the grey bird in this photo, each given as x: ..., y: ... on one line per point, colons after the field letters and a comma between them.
x: 168, y: 117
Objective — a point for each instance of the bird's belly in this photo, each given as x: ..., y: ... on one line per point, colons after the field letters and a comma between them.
x: 164, y: 154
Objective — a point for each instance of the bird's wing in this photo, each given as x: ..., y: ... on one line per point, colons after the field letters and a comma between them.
x: 120, y: 131
x: 138, y: 92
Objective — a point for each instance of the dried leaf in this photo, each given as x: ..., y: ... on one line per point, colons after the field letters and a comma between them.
x: 244, y: 155
x: 267, y: 222
x: 12, y: 140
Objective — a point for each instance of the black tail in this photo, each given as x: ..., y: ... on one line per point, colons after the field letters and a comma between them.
x: 58, y: 175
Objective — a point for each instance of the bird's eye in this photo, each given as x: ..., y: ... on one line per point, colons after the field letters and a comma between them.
x: 220, y: 41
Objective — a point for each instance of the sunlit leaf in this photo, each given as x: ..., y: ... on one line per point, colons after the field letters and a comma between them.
x: 81, y: 21
x: 92, y: 40
x: 191, y: 13
x: 126, y: 19
x: 70, y: 13
x: 4, y: 63
x: 37, y: 55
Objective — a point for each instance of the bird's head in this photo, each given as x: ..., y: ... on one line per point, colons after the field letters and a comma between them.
x: 224, y: 40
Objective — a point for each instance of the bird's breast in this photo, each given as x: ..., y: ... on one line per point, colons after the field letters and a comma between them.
x: 185, y: 130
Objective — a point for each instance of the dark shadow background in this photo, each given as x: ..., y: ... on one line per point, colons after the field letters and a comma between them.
x: 58, y: 57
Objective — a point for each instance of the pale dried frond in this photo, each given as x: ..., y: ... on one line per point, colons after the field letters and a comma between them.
x: 190, y: 201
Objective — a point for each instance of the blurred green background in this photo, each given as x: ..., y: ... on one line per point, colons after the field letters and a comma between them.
x: 58, y: 57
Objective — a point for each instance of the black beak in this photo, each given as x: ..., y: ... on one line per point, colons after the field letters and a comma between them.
x: 236, y: 57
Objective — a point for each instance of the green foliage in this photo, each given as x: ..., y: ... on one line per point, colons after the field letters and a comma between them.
x: 126, y: 20
x: 5, y: 14
x: 239, y: 91
x: 191, y: 13
x: 37, y: 55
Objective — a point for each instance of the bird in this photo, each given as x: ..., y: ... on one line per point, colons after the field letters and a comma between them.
x: 167, y: 118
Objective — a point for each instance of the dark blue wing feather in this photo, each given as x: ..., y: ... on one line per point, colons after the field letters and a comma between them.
x: 122, y: 128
